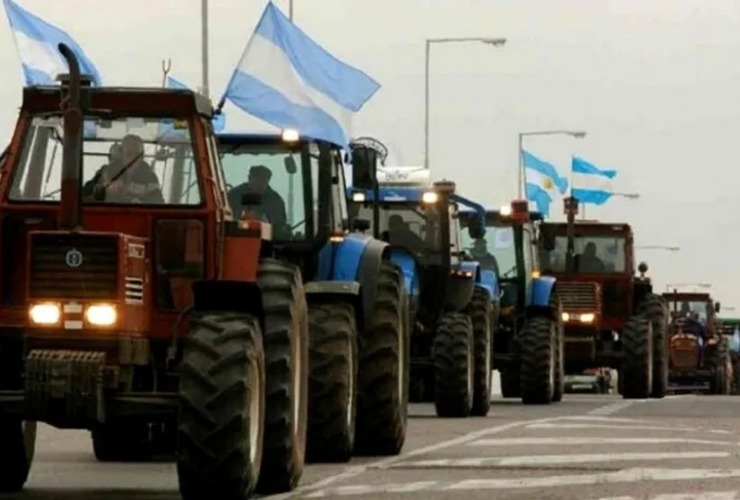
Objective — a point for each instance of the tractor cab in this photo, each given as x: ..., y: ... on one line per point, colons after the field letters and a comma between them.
x: 595, y: 269
x: 692, y: 308
x: 508, y: 247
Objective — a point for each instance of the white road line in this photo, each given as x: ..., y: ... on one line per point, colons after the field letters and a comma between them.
x: 352, y: 471
x: 532, y: 460
x: 597, y: 418
x: 565, y: 440
x: 707, y: 495
x: 624, y: 476
x: 613, y: 408
x: 555, y: 425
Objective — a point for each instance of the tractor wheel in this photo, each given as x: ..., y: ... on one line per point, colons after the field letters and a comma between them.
x: 18, y: 440
x: 286, y: 364
x: 511, y: 384
x: 539, y: 340
x: 480, y: 311
x: 222, y: 404
x: 654, y: 309
x: 332, y: 386
x: 718, y: 361
x: 383, y: 373
x: 558, y: 389
x: 637, y: 362
x: 122, y: 442
x: 453, y: 358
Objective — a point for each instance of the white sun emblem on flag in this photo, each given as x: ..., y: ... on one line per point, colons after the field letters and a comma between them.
x: 547, y: 184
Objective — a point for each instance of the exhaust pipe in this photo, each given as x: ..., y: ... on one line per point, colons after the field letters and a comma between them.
x: 70, y: 205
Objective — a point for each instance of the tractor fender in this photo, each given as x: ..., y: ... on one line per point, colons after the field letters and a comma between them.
x: 356, y: 258
x: 542, y: 289
x: 460, y: 287
x: 489, y: 282
x: 336, y: 291
x: 409, y: 268
x: 229, y: 296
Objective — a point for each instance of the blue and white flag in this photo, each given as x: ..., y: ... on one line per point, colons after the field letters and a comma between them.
x: 542, y: 181
x: 590, y: 183
x: 37, y: 42
x: 289, y: 81
x: 219, y: 120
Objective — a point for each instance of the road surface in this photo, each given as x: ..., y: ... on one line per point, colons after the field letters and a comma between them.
x: 587, y: 447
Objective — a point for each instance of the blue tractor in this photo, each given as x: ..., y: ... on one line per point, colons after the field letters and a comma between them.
x: 452, y: 300
x: 529, y: 336
x: 358, y: 355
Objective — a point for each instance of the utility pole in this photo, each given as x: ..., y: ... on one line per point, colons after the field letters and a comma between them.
x: 204, y: 47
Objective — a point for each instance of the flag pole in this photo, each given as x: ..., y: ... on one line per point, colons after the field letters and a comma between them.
x: 290, y: 10
x: 204, y: 46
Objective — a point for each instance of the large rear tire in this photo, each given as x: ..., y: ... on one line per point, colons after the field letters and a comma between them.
x: 558, y: 389
x: 654, y: 309
x: 453, y: 358
x: 332, y: 387
x: 383, y: 376
x: 286, y: 384
x: 481, y: 315
x: 539, y: 345
x: 17, y: 447
x: 719, y: 362
x: 636, y: 372
x: 221, y: 420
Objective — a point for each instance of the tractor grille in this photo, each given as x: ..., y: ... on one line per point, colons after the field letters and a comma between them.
x: 94, y: 278
x: 578, y: 296
x: 684, y: 355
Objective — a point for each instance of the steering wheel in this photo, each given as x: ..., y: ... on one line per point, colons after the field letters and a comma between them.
x: 48, y: 196
x: 509, y: 272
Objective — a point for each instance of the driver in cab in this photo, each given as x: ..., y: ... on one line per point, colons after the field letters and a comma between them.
x: 485, y: 258
x: 273, y: 205
x: 399, y: 234
x: 589, y: 261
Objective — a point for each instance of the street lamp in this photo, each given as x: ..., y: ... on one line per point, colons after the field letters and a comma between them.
x: 659, y: 247
x: 685, y: 285
x: 631, y: 196
x: 577, y: 134
x: 496, y: 42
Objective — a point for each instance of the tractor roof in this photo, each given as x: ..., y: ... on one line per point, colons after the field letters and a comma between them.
x: 688, y: 296
x: 116, y: 100
x: 494, y: 217
x: 592, y: 227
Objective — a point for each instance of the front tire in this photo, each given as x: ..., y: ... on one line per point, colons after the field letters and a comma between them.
x: 452, y: 354
x: 222, y: 391
x: 481, y: 315
x: 332, y: 387
x: 637, y: 362
x: 538, y: 341
x: 286, y: 365
x: 654, y: 309
x: 17, y: 447
x: 383, y: 377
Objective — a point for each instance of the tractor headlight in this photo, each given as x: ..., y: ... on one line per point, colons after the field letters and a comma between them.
x: 565, y: 316
x: 290, y: 135
x: 587, y: 318
x: 45, y: 314
x: 101, y: 314
x: 505, y: 210
x: 359, y: 197
x: 429, y: 197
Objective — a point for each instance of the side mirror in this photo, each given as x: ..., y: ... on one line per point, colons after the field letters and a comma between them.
x: 364, y: 164
x: 642, y: 268
x: 476, y: 230
x: 251, y: 199
x: 290, y: 165
x: 716, y: 307
x: 361, y: 225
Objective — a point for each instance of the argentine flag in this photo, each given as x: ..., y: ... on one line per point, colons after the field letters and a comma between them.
x: 37, y: 42
x: 289, y: 81
x: 590, y: 183
x: 542, y: 182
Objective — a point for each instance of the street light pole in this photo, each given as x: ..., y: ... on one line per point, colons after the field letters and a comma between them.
x: 496, y: 42
x: 204, y: 47
x: 684, y: 285
x: 577, y: 134
x: 668, y: 248
x: 290, y: 10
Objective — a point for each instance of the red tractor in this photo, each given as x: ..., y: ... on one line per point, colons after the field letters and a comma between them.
x: 140, y: 310
x: 699, y: 353
x: 611, y: 317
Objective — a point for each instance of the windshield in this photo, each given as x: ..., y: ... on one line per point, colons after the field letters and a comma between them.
x: 127, y: 160
x: 687, y: 308
x: 274, y: 172
x: 412, y: 226
x: 593, y: 255
x: 496, y: 251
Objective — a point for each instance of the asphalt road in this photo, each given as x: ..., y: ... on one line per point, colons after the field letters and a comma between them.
x: 587, y: 447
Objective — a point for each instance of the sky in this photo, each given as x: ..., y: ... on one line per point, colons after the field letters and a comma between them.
x: 653, y: 83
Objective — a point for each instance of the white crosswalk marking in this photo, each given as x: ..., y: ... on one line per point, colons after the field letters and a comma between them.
x: 568, y: 440
x: 707, y: 495
x: 554, y: 425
